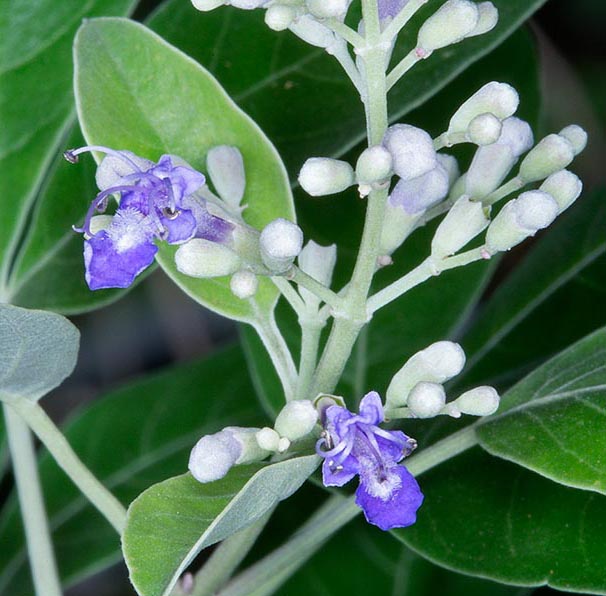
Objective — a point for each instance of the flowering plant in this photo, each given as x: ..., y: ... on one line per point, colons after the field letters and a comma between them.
x: 366, y: 319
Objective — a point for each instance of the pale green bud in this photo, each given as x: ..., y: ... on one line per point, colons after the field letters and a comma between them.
x: 411, y: 150
x: 203, y: 258
x: 247, y: 438
x: 488, y: 169
x: 499, y: 99
x: 321, y: 176
x: 465, y: 220
x: 521, y: 218
x: 452, y: 22
x: 296, y: 420
x: 268, y: 439
x: 279, y: 17
x: 484, y: 129
x: 577, y: 137
x: 318, y: 262
x: 206, y: 5
x: 312, y: 32
x: 374, y: 165
x: 488, y: 19
x: 451, y: 166
x: 552, y: 154
x: 397, y: 225
x: 480, y: 401
x: 226, y: 170
x: 244, y: 284
x: 435, y: 364
x: 426, y: 400
x: 327, y: 9
x: 564, y: 186
x: 280, y: 243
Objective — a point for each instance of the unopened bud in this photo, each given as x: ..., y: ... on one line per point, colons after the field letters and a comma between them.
x: 517, y: 135
x: 203, y: 258
x: 488, y: 19
x: 247, y: 4
x: 576, y: 136
x: 312, y: 32
x: 244, y: 284
x: 321, y: 176
x: 451, y: 165
x: 411, y: 150
x: 452, y: 22
x: 397, y: 225
x: 327, y: 9
x: 268, y: 439
x: 318, y: 262
x: 418, y: 194
x: 435, y: 364
x: 564, y: 186
x: 480, y: 401
x: 226, y: 170
x: 280, y: 242
x: 552, y: 154
x: 206, y: 5
x: 499, y: 99
x: 296, y: 420
x: 279, y: 17
x: 521, y: 218
x: 374, y: 165
x: 283, y: 445
x: 465, y: 220
x: 426, y: 400
x: 484, y: 129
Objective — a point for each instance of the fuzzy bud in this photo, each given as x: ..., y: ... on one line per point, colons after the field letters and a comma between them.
x: 203, y: 258
x: 247, y: 4
x: 435, y: 364
x: 576, y: 136
x: 484, y: 129
x: 318, y: 262
x: 374, y: 165
x: 465, y: 220
x: 480, y: 401
x: 280, y: 242
x: 327, y: 9
x: 244, y: 284
x: 416, y: 195
x: 552, y: 154
x: 499, y: 99
x: 268, y: 439
x: 206, y: 5
x: 564, y: 186
x: 321, y: 176
x: 397, y: 225
x: 226, y: 170
x: 426, y: 400
x: 488, y: 19
x: 451, y: 166
x: 451, y: 23
x: 312, y: 32
x: 521, y: 218
x: 411, y: 149
x: 279, y: 17
x: 296, y: 420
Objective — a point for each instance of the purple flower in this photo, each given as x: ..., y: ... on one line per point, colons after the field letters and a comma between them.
x: 156, y: 202
x: 354, y: 445
x: 390, y: 8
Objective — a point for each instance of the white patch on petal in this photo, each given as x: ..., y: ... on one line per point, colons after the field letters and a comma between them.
x: 382, y: 484
x: 129, y: 228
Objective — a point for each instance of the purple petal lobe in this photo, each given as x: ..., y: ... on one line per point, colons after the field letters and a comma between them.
x: 390, y: 8
x: 179, y: 227
x: 371, y: 408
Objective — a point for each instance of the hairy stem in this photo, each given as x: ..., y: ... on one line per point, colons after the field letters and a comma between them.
x: 25, y: 469
x: 310, y: 341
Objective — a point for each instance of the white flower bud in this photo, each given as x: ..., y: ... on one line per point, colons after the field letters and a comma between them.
x: 280, y: 242
x: 279, y: 17
x: 480, y: 401
x: 452, y: 22
x: 327, y: 9
x: 325, y: 176
x: 247, y: 4
x: 312, y: 32
x: 435, y: 364
x: 411, y: 149
x: 564, y: 186
x: 268, y: 439
x: 416, y: 195
x: 244, y: 284
x: 426, y: 400
x: 203, y: 258
x: 397, y: 225
x: 521, y: 218
x: 465, y: 220
x: 283, y: 445
x: 206, y: 5
x: 451, y: 165
x: 374, y: 165
x: 517, y: 135
x: 499, y: 99
x: 552, y: 154
x: 318, y: 262
x: 488, y: 19
x: 576, y: 136
x: 226, y: 170
x: 458, y: 188
x: 112, y: 169
x: 296, y: 420
x: 99, y: 223
x: 251, y: 451
x: 484, y: 129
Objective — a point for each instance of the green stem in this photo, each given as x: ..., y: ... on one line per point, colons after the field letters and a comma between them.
x: 346, y: 32
x: 310, y: 341
x: 342, y: 55
x: 402, y: 68
x: 401, y: 19
x: 315, y: 287
x: 510, y: 187
x: 39, y: 543
x: 70, y: 463
x: 290, y: 294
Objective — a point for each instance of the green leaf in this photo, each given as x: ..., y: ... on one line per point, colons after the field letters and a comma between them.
x: 38, y: 350
x: 553, y: 421
x: 560, y: 256
x: 171, y: 522
x: 184, y: 112
x: 487, y: 517
x: 130, y: 439
x: 37, y: 113
x: 262, y: 69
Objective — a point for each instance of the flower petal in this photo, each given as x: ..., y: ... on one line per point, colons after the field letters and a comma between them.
x: 338, y: 476
x: 371, y: 408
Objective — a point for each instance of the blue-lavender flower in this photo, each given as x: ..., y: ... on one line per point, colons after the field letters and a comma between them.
x: 156, y: 201
x: 354, y: 444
